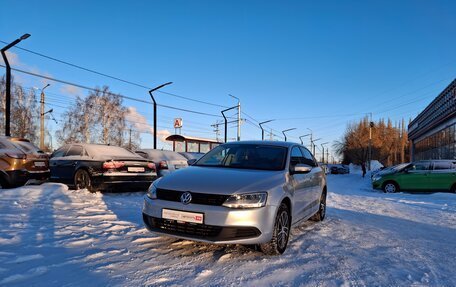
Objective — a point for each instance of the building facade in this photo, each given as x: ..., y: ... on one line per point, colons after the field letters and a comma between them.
x: 432, y: 134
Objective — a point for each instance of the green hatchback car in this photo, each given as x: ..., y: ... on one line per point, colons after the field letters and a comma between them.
x: 430, y: 175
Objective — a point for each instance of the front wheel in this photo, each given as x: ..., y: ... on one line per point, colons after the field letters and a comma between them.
x: 390, y: 187
x: 280, y: 234
x: 82, y: 180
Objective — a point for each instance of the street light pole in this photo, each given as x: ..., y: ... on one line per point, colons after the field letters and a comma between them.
x: 8, y: 83
x: 239, y: 117
x: 42, y: 118
x: 283, y: 132
x: 313, y: 144
x: 262, y: 130
x: 323, y: 152
x: 226, y: 122
x: 155, y: 110
x: 300, y: 138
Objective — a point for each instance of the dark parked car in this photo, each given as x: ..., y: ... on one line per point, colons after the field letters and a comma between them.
x: 340, y: 169
x: 21, y: 162
x: 167, y: 161
x: 95, y: 167
x: 192, y: 155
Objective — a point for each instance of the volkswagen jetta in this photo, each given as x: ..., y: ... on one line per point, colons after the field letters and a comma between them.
x: 239, y: 193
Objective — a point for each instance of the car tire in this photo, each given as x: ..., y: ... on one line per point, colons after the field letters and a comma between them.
x: 3, y: 183
x: 82, y: 180
x: 390, y: 187
x: 281, y: 232
x: 321, y: 213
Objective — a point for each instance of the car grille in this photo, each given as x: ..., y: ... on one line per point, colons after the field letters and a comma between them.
x: 197, y: 198
x: 199, y: 231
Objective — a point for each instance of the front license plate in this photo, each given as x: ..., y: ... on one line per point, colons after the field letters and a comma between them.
x: 39, y: 163
x: 136, y: 169
x: 184, y: 216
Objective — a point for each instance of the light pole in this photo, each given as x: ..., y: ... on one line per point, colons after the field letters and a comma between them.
x: 262, y: 130
x: 226, y: 122
x: 42, y: 117
x: 283, y: 132
x: 313, y: 145
x: 323, y: 151
x: 239, y: 117
x: 300, y: 138
x: 155, y: 110
x: 8, y: 83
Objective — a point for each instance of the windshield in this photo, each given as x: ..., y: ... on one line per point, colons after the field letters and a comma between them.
x: 26, y: 147
x: 246, y: 156
x: 400, y: 166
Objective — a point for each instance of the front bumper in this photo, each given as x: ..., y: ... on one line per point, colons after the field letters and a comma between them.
x: 221, y: 225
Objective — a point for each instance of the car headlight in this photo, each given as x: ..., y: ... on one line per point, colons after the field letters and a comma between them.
x: 376, y: 178
x: 152, y: 190
x: 246, y: 200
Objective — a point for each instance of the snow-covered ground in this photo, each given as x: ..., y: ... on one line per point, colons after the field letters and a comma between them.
x: 51, y: 236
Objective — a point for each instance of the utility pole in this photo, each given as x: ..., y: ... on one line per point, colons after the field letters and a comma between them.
x: 42, y: 118
x: 327, y: 155
x: 323, y: 151
x: 313, y: 144
x: 155, y: 110
x: 312, y: 148
x: 238, y: 117
x: 8, y: 83
x: 283, y: 132
x: 226, y: 122
x: 300, y: 138
x: 371, y: 125
x: 129, y: 141
x: 216, y: 130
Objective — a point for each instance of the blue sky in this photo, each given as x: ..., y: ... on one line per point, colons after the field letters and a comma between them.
x: 325, y: 62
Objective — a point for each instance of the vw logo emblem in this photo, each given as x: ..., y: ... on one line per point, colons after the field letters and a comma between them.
x: 186, y: 197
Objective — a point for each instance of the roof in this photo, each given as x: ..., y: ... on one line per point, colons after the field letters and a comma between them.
x: 273, y: 143
x: 189, y: 138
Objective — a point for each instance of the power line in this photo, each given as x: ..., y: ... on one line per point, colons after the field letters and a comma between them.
x: 113, y: 77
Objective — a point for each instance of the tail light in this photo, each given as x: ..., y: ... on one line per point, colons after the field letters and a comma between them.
x: 152, y: 166
x: 163, y: 165
x: 113, y: 165
x: 16, y: 155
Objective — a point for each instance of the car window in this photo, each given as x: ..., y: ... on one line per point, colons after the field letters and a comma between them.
x: 143, y: 154
x: 419, y: 166
x: 440, y: 165
x: 60, y: 152
x: 308, y: 158
x: 296, y: 156
x: 75, y: 150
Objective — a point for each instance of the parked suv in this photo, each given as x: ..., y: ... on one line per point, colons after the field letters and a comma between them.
x: 432, y: 175
x: 248, y: 192
x: 20, y: 162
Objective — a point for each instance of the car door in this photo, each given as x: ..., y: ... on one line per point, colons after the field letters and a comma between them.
x: 442, y: 175
x: 302, y: 186
x: 54, y: 163
x: 67, y: 163
x: 316, y: 177
x: 415, y: 176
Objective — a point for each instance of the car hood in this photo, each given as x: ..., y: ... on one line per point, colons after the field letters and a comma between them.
x: 217, y: 180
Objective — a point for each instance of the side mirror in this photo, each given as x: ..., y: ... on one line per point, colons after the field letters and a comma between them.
x: 191, y: 161
x: 300, y: 169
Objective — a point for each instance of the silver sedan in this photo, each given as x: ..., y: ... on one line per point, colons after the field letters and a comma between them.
x: 248, y: 192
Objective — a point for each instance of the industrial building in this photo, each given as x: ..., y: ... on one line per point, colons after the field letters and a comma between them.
x: 432, y: 133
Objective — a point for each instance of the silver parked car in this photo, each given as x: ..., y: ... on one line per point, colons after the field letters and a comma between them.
x: 239, y: 193
x: 166, y: 161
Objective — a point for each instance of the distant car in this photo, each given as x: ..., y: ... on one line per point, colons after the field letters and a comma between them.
x: 339, y: 169
x: 21, y: 162
x: 165, y: 160
x: 101, y: 167
x: 192, y: 155
x: 431, y: 175
x: 248, y: 192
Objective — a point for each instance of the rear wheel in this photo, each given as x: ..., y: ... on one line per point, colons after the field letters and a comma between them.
x: 390, y: 187
x: 281, y: 232
x: 3, y: 182
x: 321, y: 213
x: 82, y: 180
